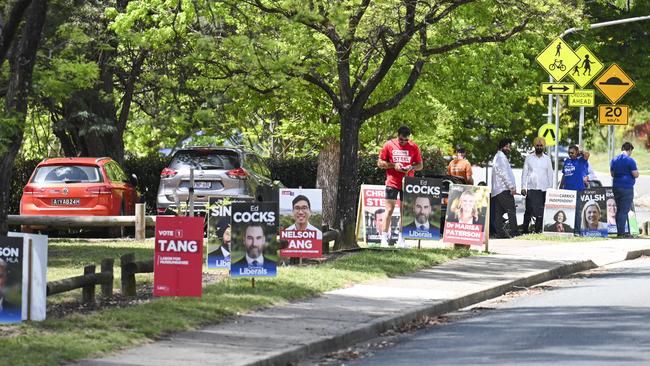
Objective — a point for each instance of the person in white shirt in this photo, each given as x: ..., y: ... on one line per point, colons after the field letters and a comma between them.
x: 503, y: 190
x: 536, y: 178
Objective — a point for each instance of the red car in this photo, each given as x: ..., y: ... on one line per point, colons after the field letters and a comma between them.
x: 79, y: 187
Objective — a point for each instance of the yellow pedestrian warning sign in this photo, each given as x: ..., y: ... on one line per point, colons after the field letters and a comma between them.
x: 588, y: 67
x: 547, y: 132
x: 558, y: 59
x: 614, y: 83
x: 583, y: 98
x: 613, y: 114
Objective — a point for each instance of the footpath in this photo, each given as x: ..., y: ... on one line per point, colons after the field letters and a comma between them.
x: 284, y: 334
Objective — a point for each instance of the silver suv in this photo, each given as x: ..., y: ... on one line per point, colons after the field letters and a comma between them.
x: 218, y: 172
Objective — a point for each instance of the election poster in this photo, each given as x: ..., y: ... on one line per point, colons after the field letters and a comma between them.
x: 467, y: 211
x: 219, y: 232
x: 372, y: 213
x: 301, y: 219
x: 631, y: 225
x: 178, y: 256
x: 593, y: 208
x: 254, y: 239
x: 34, y: 286
x: 560, y: 212
x: 421, y: 208
x: 11, y: 279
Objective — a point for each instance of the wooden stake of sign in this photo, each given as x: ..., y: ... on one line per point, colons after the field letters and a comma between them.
x: 487, y: 229
x: 29, y: 279
x: 253, y: 282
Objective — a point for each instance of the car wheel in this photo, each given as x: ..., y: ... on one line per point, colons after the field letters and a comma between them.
x: 117, y: 231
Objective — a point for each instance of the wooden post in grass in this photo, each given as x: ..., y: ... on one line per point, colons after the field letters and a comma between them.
x: 140, y: 225
x: 88, y: 291
x: 107, y: 287
x: 253, y: 281
x: 128, y: 278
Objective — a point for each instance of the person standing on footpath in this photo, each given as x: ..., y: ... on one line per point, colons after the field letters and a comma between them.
x: 460, y: 166
x: 400, y: 157
x: 536, y: 178
x: 575, y: 172
x: 504, y: 190
x: 624, y: 173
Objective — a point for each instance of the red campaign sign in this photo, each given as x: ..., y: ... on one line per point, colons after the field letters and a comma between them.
x: 178, y: 258
x: 374, y: 197
x: 302, y: 243
x: 456, y: 232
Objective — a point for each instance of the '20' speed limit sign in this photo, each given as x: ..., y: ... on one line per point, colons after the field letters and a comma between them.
x: 613, y: 114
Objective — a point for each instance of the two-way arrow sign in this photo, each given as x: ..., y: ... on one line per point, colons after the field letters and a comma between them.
x: 558, y: 88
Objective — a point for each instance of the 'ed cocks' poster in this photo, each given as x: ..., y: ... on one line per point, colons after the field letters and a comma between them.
x: 372, y: 213
x: 560, y: 212
x: 421, y: 208
x: 301, y: 217
x: 219, y: 232
x: 11, y: 279
x: 178, y: 256
x: 467, y: 211
x: 592, y: 220
x: 254, y: 239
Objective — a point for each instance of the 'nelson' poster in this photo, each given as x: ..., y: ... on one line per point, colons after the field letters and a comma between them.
x: 301, y: 218
x: 178, y: 256
x: 421, y: 208
x: 254, y: 239
x: 11, y: 279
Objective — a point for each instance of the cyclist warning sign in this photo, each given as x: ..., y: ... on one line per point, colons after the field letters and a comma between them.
x: 558, y: 59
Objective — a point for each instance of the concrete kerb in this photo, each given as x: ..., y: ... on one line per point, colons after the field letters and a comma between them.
x: 375, y: 328
x: 637, y: 253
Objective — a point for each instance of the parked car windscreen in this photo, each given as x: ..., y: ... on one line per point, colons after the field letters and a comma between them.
x: 67, y: 174
x: 205, y: 159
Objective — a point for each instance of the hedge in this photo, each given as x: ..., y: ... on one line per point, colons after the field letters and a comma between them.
x: 293, y: 172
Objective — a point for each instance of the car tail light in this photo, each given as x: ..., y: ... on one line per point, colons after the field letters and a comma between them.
x: 99, y: 190
x: 161, y: 210
x: 32, y: 190
x: 168, y: 173
x: 239, y: 173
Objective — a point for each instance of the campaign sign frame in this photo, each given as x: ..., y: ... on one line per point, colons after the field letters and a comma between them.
x: 592, y: 212
x: 11, y: 279
x: 301, y: 219
x: 467, y: 218
x: 254, y: 239
x: 178, y: 256
x: 219, y: 233
x: 371, y: 212
x: 421, y: 208
x: 559, y: 212
x: 34, y: 275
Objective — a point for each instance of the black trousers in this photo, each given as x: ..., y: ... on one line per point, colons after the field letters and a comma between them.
x: 504, y: 202
x: 534, y: 208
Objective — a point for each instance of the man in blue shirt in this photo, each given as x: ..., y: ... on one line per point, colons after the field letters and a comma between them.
x: 624, y: 173
x: 575, y: 173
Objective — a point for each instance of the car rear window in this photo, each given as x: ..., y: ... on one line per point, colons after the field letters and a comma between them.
x: 205, y: 159
x: 67, y: 174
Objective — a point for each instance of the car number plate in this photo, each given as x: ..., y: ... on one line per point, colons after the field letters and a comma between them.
x: 65, y: 201
x: 202, y: 184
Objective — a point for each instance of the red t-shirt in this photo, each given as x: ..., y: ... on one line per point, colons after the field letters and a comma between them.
x: 406, y: 155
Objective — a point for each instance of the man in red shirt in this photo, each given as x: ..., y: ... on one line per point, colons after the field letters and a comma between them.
x: 400, y: 157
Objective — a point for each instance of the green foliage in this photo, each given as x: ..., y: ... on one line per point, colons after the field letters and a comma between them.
x: 21, y: 172
x: 147, y: 169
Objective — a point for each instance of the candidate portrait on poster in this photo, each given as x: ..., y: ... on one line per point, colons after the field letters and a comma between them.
x: 421, y: 208
x: 560, y: 212
x: 373, y: 213
x: 301, y: 219
x: 254, y: 239
x: 466, y: 214
x: 593, y: 212
x: 11, y: 279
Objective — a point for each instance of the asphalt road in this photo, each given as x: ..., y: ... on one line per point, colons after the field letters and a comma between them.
x: 596, y: 318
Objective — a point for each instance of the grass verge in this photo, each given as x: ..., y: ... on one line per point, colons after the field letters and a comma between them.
x: 77, y: 336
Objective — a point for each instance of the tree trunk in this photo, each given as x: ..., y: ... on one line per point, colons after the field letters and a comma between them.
x: 348, y: 190
x: 23, y: 57
x: 327, y: 179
